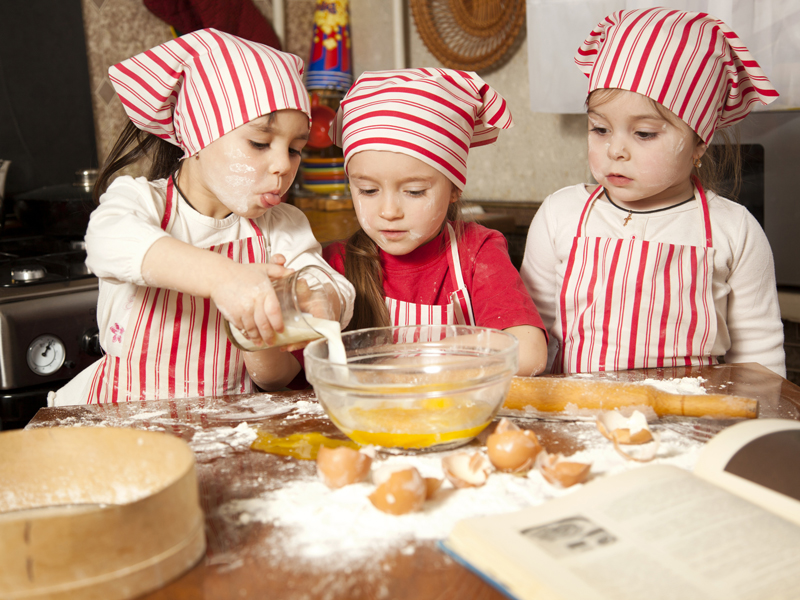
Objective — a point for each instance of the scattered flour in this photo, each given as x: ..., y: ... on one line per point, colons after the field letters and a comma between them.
x: 306, y: 407
x: 343, y: 527
x: 220, y: 439
x: 684, y: 386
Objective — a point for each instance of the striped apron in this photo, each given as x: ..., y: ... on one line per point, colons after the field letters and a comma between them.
x: 629, y: 304
x: 175, y: 344
x: 457, y: 312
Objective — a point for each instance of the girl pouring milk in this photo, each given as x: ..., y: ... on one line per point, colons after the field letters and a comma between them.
x: 405, y: 136
x: 650, y: 267
x: 223, y: 120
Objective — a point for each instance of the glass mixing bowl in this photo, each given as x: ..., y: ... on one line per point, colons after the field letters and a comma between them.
x: 414, y: 388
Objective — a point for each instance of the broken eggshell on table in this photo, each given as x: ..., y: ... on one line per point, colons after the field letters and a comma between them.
x: 629, y: 431
x: 400, y: 488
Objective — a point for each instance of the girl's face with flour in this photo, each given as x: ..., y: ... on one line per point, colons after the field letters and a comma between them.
x: 643, y: 158
x: 401, y: 202
x: 247, y: 170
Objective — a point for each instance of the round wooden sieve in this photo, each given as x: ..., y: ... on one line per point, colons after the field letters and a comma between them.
x: 95, y: 513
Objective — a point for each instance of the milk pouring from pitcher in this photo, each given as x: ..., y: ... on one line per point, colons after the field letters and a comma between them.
x: 311, y: 307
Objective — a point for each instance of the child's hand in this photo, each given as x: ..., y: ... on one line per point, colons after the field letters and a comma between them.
x: 246, y: 298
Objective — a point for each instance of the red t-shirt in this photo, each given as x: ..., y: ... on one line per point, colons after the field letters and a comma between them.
x: 499, y: 298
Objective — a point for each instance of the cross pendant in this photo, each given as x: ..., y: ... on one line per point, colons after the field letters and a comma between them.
x: 628, y: 218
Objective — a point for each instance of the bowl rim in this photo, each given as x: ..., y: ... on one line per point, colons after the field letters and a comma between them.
x: 512, y: 348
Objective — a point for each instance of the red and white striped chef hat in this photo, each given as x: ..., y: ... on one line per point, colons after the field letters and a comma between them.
x: 691, y: 63
x: 196, y: 88
x: 434, y: 115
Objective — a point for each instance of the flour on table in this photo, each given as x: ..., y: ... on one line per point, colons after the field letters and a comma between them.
x: 683, y: 386
x: 343, y: 527
x: 221, y: 439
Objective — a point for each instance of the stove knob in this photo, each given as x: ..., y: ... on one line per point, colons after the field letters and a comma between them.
x: 90, y: 342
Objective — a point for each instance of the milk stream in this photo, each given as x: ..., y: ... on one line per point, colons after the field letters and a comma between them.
x: 294, y: 333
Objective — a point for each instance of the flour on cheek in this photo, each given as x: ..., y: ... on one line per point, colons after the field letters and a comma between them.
x: 231, y: 181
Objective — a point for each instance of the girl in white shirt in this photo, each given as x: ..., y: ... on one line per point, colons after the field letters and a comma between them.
x: 650, y: 267
x: 223, y: 121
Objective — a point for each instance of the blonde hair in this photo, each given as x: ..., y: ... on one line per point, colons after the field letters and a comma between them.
x: 720, y: 162
x: 362, y: 267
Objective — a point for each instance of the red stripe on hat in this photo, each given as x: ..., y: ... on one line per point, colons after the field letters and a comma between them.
x: 206, y: 83
x: 624, y: 35
x: 418, y: 93
x: 413, y: 147
x: 150, y: 117
x: 379, y: 114
x: 226, y: 55
x: 673, y: 67
x: 635, y: 34
x: 133, y: 77
x: 212, y: 91
x: 296, y: 92
x: 648, y: 47
x: 159, y: 62
x: 700, y: 71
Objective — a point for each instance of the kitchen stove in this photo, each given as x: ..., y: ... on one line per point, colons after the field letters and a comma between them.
x: 48, y: 323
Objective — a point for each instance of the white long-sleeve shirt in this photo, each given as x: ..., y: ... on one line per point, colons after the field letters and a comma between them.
x: 128, y: 222
x: 749, y: 327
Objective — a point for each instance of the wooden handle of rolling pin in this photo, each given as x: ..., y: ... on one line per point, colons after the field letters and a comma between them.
x: 554, y: 394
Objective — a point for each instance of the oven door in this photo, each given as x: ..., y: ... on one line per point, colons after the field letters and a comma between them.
x: 44, y: 342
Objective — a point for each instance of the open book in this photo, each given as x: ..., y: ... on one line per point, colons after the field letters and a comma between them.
x: 730, y: 530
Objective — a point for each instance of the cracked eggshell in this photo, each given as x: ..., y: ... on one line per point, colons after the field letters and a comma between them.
x: 626, y: 430
x: 560, y: 472
x: 403, y: 491
x: 338, y: 467
x: 432, y: 485
x: 465, y: 469
x: 512, y: 449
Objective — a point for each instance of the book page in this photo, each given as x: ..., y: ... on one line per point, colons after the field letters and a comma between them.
x: 655, y: 532
x: 758, y: 460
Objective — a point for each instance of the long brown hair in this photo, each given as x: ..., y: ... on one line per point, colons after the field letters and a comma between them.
x: 362, y: 267
x: 721, y: 161
x: 132, y: 145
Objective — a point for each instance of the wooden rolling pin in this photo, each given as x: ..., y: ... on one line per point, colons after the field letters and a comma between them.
x: 554, y: 394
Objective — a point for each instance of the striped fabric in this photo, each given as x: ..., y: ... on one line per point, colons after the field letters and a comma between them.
x: 691, y: 63
x: 631, y: 304
x: 178, y: 347
x: 457, y: 312
x: 196, y: 88
x: 434, y: 115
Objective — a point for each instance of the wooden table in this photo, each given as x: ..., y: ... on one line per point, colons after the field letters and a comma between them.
x: 237, y: 566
